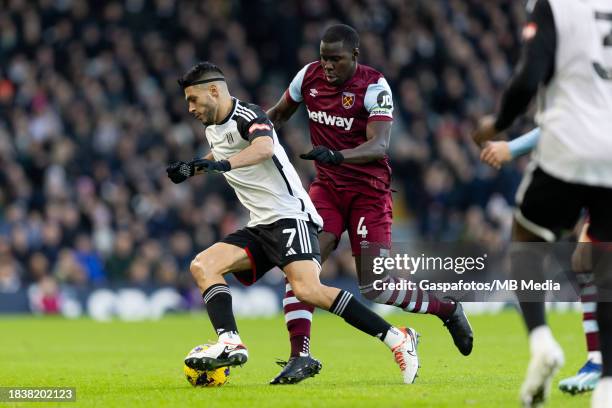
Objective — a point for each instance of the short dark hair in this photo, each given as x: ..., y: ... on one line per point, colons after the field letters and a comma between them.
x: 200, y: 72
x: 344, y: 33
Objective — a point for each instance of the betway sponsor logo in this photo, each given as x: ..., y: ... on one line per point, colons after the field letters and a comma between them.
x: 330, y: 120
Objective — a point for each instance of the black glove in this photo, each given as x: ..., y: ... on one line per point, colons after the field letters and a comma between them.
x: 324, y: 155
x: 211, y: 166
x: 181, y: 171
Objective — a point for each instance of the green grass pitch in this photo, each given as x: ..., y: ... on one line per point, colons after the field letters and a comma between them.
x: 140, y: 364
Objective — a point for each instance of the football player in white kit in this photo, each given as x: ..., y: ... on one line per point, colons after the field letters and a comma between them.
x: 567, y: 61
x: 282, y: 230
x: 497, y: 154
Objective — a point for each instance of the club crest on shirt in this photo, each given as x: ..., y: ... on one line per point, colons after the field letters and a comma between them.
x: 348, y: 100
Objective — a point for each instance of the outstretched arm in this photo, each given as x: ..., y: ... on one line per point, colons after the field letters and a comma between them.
x: 524, y: 144
x: 261, y: 149
x: 260, y: 134
x: 535, y: 67
x: 496, y: 154
x: 378, y: 134
x: 378, y: 102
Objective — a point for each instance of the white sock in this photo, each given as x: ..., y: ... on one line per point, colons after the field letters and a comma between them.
x: 540, y: 337
x: 595, y: 356
x: 230, y: 337
x: 394, y: 337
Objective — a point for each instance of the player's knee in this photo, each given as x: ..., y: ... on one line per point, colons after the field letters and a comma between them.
x: 196, y: 268
x: 203, y: 268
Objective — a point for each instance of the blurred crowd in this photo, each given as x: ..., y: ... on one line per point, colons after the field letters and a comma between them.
x: 90, y: 114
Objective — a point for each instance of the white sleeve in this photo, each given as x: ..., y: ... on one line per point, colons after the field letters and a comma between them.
x: 295, y: 87
x: 378, y: 99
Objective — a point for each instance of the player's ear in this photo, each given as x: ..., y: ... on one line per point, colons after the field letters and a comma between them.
x: 214, y: 90
x: 355, y: 53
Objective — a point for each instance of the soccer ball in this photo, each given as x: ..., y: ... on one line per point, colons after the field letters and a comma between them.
x: 211, y: 378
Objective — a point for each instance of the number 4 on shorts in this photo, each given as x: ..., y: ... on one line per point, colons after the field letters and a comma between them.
x: 361, y: 228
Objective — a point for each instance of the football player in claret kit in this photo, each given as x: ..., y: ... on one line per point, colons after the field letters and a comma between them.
x: 282, y: 230
x: 350, y: 112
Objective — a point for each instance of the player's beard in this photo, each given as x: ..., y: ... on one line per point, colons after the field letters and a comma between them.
x: 208, y: 118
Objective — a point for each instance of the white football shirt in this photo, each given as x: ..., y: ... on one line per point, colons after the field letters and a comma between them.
x: 575, y: 108
x: 270, y: 190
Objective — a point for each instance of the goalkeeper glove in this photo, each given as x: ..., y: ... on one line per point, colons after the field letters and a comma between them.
x: 324, y: 155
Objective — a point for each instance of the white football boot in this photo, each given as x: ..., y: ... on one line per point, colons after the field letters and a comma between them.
x: 546, y: 359
x: 220, y: 354
x: 405, y: 355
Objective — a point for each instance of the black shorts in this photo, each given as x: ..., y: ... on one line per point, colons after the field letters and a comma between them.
x: 547, y: 206
x: 276, y: 244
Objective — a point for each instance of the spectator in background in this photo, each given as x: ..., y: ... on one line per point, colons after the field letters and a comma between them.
x: 45, y: 296
x: 121, y: 257
x: 68, y: 270
x: 167, y: 272
x: 89, y: 260
x: 10, y: 281
x: 140, y: 272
